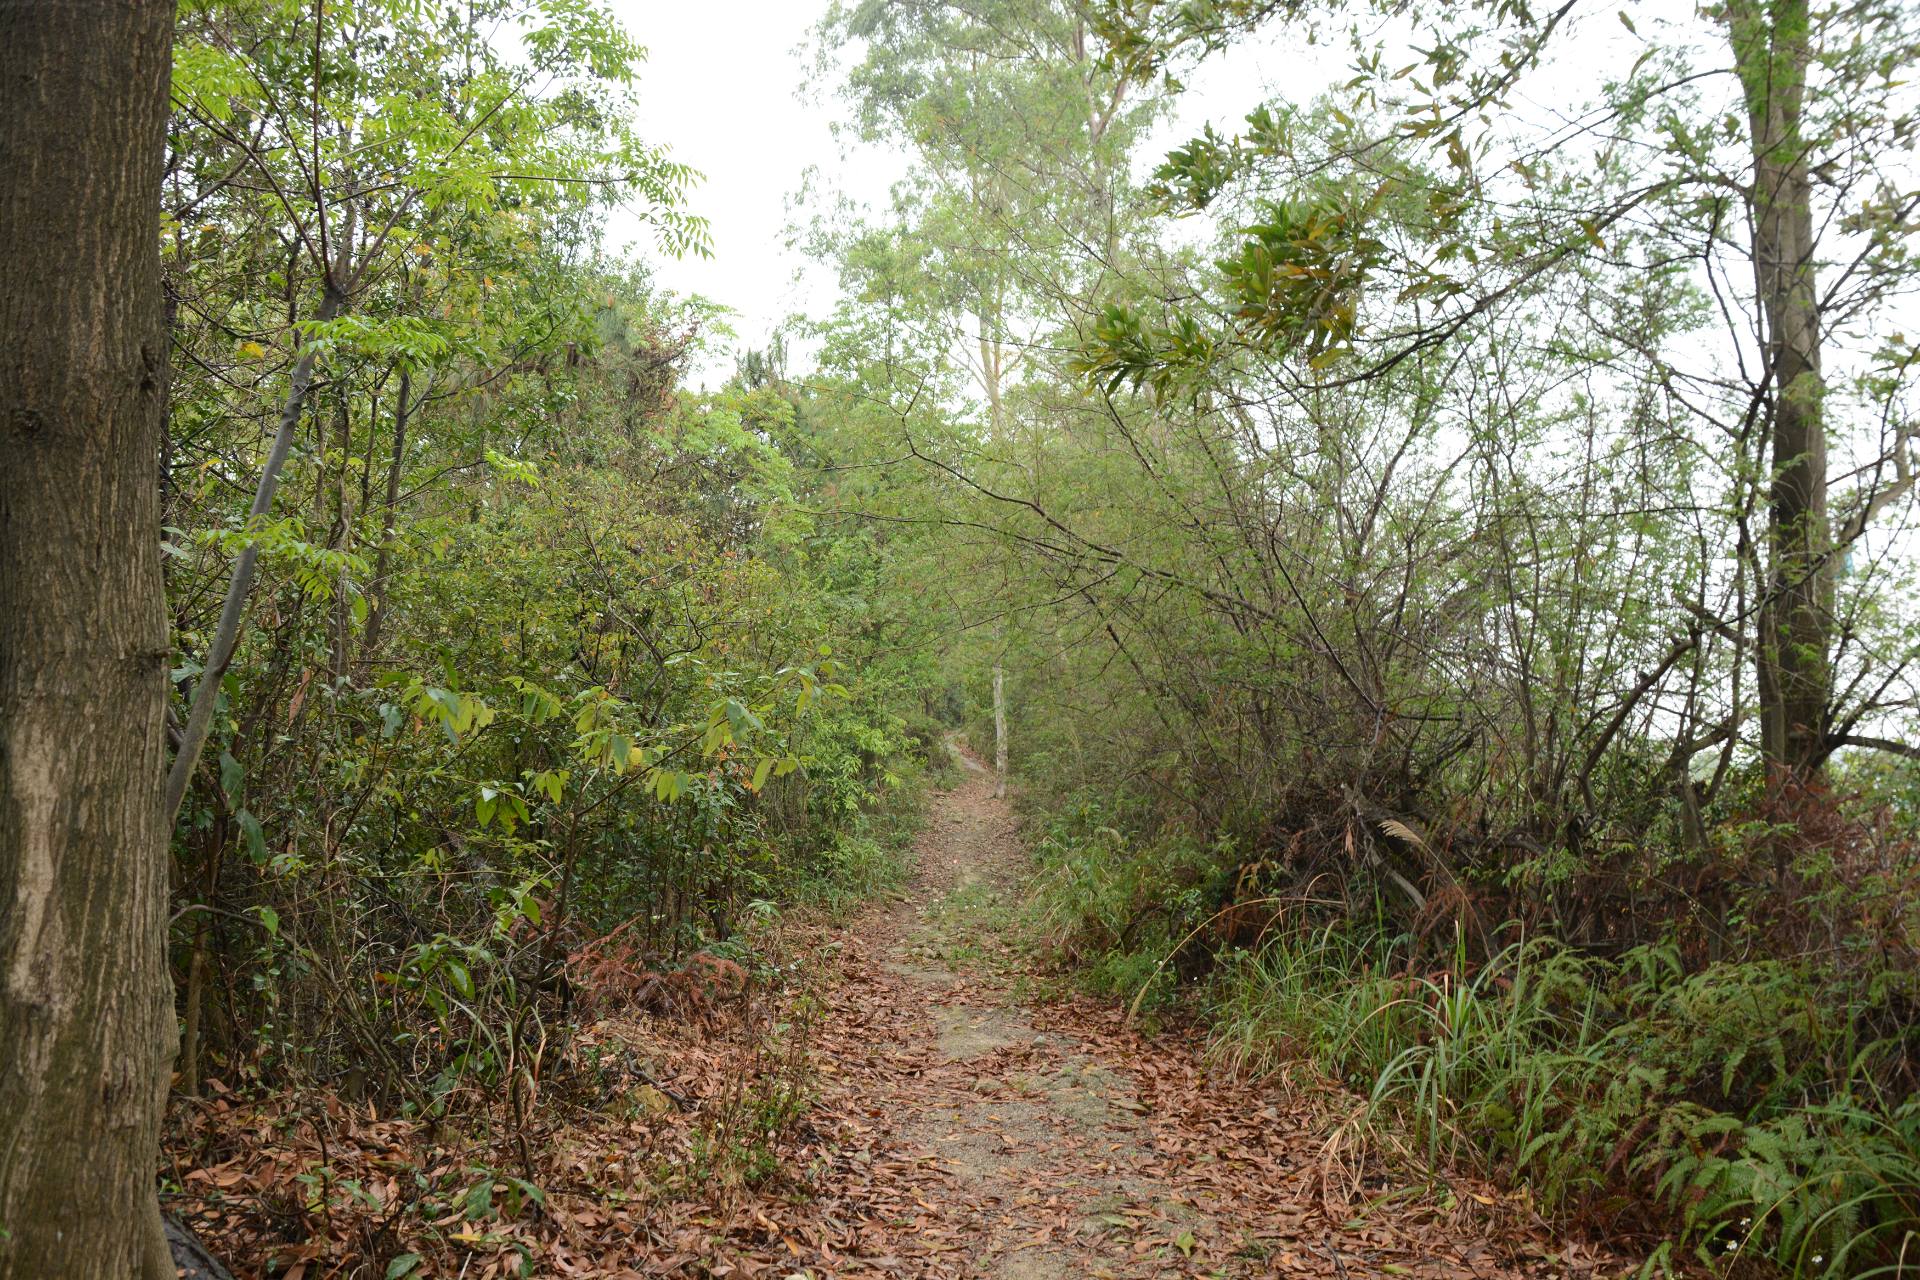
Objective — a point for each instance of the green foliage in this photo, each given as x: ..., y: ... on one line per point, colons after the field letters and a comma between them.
x: 1747, y: 1107
x: 542, y: 647
x: 1373, y: 570
x: 1376, y: 565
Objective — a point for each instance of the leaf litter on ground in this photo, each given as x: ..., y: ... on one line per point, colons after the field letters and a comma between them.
x: 944, y: 1129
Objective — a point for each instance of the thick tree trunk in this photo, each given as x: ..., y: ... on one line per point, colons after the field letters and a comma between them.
x: 1770, y: 46
x: 86, y: 1016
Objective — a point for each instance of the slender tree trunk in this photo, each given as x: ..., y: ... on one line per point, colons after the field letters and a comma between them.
x: 86, y: 1015
x: 991, y: 353
x: 196, y: 998
x: 376, y: 613
x: 1770, y: 46
x: 213, y: 842
x: 207, y: 690
x: 342, y: 540
x: 999, y: 730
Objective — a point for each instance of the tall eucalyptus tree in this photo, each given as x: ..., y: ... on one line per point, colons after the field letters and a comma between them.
x: 1017, y: 210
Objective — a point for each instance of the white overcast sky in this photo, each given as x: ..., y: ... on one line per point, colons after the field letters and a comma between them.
x: 725, y: 87
x: 722, y: 90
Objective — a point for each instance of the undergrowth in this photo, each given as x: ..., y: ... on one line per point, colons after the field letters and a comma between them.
x: 873, y: 858
x: 1754, y: 1110
x: 871, y: 852
x: 719, y: 1083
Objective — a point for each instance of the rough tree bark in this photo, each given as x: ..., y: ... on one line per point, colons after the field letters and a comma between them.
x: 86, y: 1014
x: 1770, y: 41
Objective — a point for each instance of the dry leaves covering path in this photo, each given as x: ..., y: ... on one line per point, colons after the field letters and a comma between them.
x: 954, y: 1130
x: 980, y: 1137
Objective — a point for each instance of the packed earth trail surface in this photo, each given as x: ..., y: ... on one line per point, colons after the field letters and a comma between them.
x: 904, y: 1108
x: 982, y: 1136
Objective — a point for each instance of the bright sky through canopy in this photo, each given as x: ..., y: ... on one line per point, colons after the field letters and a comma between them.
x: 727, y: 87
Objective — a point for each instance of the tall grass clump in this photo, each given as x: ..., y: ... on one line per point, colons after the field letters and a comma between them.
x: 1753, y: 1107
x: 1733, y: 1111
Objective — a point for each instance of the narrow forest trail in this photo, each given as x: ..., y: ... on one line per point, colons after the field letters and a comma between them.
x: 980, y: 1135
x: 953, y: 1125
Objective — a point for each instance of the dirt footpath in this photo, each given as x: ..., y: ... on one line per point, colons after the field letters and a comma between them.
x: 889, y: 1101
x: 982, y: 1137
